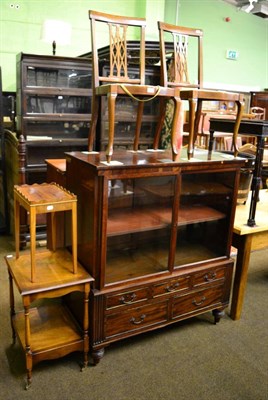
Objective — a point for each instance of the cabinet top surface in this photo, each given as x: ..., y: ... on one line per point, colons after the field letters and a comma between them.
x: 50, y: 58
x: 156, y: 159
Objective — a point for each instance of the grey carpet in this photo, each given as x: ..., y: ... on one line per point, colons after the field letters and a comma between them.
x: 190, y: 360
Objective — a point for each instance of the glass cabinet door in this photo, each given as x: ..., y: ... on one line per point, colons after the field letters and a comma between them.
x: 204, y: 217
x: 59, y: 77
x: 57, y: 104
x: 138, y: 227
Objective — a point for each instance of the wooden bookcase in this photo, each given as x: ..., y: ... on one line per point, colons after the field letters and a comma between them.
x: 53, y: 108
x: 156, y: 237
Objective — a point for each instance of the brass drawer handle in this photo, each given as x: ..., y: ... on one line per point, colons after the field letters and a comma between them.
x: 210, y: 276
x: 137, y: 322
x: 198, y: 303
x: 128, y: 299
x: 171, y: 288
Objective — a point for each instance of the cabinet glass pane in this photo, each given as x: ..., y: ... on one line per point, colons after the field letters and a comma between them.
x: 138, y: 227
x: 58, y: 104
x: 57, y: 129
x: 203, y: 218
x: 64, y: 78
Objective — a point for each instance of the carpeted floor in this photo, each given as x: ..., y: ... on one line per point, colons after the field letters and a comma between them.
x: 190, y: 360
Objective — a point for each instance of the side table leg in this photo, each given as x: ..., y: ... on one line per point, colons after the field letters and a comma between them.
x: 85, y: 326
x: 17, y: 225
x: 243, y: 245
x: 28, y: 352
x: 12, y: 306
x: 33, y: 241
x: 74, y: 236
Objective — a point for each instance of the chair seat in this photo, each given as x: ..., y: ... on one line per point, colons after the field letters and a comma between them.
x: 136, y: 90
x: 206, y: 94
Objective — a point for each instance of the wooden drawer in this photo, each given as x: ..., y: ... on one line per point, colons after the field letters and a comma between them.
x: 126, y: 298
x: 196, y: 301
x: 209, y: 276
x: 172, y: 285
x: 136, y: 319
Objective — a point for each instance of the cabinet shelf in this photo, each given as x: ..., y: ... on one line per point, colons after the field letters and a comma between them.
x: 134, y: 263
x: 56, y: 117
x: 128, y: 221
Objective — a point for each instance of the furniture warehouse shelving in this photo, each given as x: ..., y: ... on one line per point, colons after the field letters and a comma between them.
x: 46, y: 329
x: 156, y: 237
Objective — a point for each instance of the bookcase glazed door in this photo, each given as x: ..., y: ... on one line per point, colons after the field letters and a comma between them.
x: 204, y: 217
x: 139, y: 227
x: 54, y: 98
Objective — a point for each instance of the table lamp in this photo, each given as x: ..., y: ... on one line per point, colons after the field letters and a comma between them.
x: 56, y: 32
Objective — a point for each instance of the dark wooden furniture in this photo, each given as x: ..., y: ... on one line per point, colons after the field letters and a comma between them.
x: 119, y: 82
x: 257, y: 128
x: 53, y: 116
x: 260, y: 99
x: 48, y: 331
x: 175, y: 74
x: 156, y: 237
x: 53, y: 98
x: 3, y: 177
x: 246, y: 239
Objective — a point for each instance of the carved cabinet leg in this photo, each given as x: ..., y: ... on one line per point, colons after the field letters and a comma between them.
x: 97, y: 355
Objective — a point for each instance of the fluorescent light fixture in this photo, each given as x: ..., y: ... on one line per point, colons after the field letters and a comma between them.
x: 250, y: 7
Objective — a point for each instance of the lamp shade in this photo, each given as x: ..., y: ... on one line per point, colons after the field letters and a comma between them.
x: 56, y: 30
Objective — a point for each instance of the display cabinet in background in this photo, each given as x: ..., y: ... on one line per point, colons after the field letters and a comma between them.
x: 53, y: 109
x: 260, y: 99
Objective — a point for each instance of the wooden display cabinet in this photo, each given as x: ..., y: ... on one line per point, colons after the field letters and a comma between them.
x: 156, y: 237
x: 260, y: 99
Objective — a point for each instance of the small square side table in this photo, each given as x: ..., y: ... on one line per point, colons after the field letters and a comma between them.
x: 45, y: 198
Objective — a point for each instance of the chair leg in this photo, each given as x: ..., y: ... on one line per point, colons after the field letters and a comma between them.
x: 192, y: 108
x: 197, y: 119
x: 111, y: 112
x: 162, y: 113
x: 240, y: 109
x: 138, y: 125
x: 94, y: 120
x: 177, y: 128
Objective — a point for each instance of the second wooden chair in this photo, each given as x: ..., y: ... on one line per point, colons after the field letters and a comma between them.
x: 182, y: 67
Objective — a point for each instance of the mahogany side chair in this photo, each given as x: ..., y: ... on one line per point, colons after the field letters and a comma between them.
x: 182, y: 67
x: 119, y: 82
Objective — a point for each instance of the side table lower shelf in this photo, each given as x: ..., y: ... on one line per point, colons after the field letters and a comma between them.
x: 49, y: 331
x: 54, y: 332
